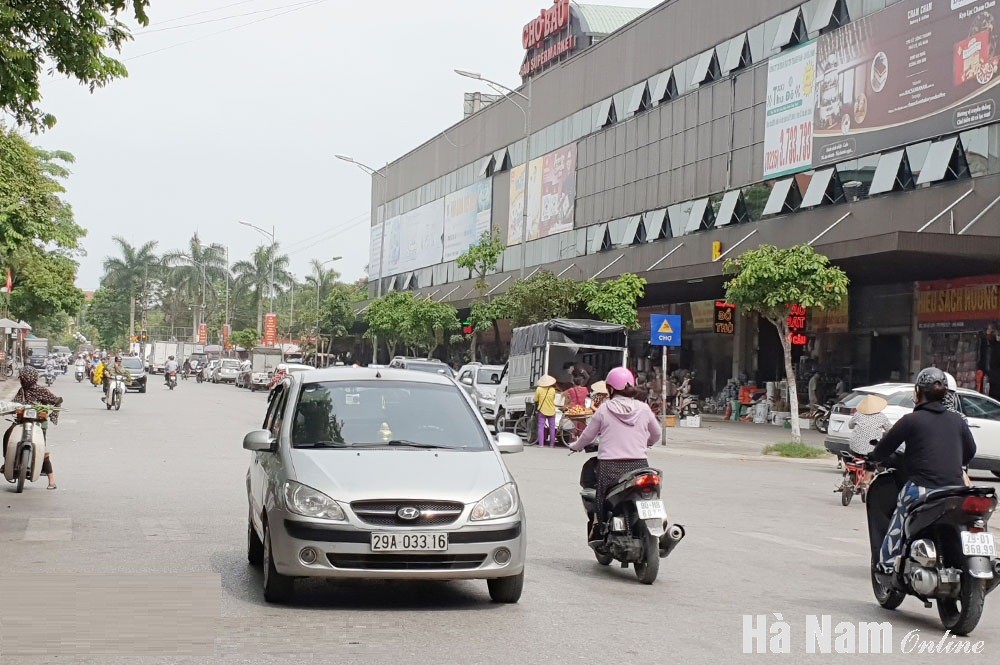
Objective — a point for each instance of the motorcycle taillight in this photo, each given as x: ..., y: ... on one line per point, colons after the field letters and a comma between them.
x: 977, y: 505
x: 648, y: 481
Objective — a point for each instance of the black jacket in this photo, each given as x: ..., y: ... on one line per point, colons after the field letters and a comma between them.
x: 938, y: 444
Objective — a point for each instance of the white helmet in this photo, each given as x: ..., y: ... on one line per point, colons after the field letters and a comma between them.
x: 952, y: 384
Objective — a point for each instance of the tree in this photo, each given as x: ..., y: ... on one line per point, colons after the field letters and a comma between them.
x: 388, y: 318
x: 68, y: 37
x: 615, y: 300
x: 338, y: 310
x: 253, y: 277
x: 196, y: 272
x: 541, y: 297
x: 772, y: 281
x: 246, y: 338
x: 131, y: 271
x: 108, y: 312
x: 482, y: 259
x: 322, y: 279
x: 45, y: 285
x: 429, y: 323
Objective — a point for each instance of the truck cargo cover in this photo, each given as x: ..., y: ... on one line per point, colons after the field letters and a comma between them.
x: 578, y: 331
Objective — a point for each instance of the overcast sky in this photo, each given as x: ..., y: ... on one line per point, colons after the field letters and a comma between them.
x: 245, y: 124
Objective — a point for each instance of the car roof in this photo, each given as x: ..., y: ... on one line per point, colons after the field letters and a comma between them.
x: 892, y: 388
x: 353, y: 374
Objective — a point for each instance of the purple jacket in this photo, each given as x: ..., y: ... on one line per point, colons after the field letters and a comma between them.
x: 626, y: 428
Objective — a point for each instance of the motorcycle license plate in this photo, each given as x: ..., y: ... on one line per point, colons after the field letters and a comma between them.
x: 978, y: 544
x: 649, y: 510
x: 409, y: 542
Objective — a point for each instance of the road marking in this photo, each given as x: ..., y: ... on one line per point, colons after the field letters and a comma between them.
x: 49, y: 528
x: 166, y: 529
x: 797, y: 544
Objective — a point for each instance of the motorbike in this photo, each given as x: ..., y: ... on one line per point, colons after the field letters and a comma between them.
x: 820, y: 415
x: 685, y: 404
x: 50, y: 377
x: 171, y: 380
x: 26, y: 446
x: 637, y: 530
x: 116, y: 392
x: 200, y: 376
x: 948, y: 553
x: 79, y: 374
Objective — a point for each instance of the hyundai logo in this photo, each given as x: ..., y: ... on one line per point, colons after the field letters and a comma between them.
x: 408, y: 513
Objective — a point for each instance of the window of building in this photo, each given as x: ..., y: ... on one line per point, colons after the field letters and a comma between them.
x: 737, y: 54
x: 945, y: 161
x: 485, y: 169
x: 732, y: 209
x: 663, y: 87
x: 656, y: 225
x: 791, y: 30
x: 638, y: 99
x: 976, y: 143
x: 596, y: 236
x: 701, y: 217
x: 825, y: 188
x: 829, y: 15
x: 706, y: 69
x: 892, y: 174
x: 785, y: 197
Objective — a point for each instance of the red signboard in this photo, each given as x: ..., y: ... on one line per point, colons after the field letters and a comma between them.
x: 226, y: 330
x: 796, y: 325
x: 203, y: 333
x: 964, y: 299
x: 547, y: 37
x: 270, y: 329
x: 549, y: 21
x: 725, y: 315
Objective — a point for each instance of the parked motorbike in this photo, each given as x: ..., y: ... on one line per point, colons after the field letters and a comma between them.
x: 636, y: 530
x: 820, y: 415
x: 26, y: 446
x: 116, y: 392
x: 686, y: 404
x: 948, y: 553
x: 171, y: 380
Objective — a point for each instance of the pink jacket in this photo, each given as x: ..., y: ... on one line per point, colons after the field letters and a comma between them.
x: 626, y: 428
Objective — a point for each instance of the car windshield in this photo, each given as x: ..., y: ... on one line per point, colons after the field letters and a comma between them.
x: 132, y: 364
x: 339, y: 414
x: 433, y: 368
x: 489, y: 377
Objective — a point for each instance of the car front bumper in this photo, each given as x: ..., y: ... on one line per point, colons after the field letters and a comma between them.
x: 137, y: 383
x: 488, y: 410
x: 344, y: 550
x: 985, y: 464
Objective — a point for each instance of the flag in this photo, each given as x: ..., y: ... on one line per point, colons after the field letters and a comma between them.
x: 10, y: 281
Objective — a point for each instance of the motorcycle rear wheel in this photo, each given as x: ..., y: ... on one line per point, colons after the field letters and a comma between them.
x: 604, y: 559
x: 888, y: 598
x: 647, y: 569
x: 961, y: 615
x: 846, y: 494
x: 822, y: 424
x: 22, y: 471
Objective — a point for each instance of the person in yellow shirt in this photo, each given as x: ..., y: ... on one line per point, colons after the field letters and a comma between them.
x: 545, y: 398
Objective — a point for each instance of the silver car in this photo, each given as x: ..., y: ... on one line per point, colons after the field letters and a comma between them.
x: 227, y: 371
x: 481, y: 382
x: 381, y: 474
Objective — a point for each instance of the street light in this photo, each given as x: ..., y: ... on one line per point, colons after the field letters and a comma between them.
x: 271, y: 236
x: 385, y: 222
x: 336, y: 258
x: 507, y: 92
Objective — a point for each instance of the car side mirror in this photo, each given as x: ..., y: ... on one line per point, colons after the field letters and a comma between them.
x: 467, y: 380
x: 260, y: 441
x: 509, y: 443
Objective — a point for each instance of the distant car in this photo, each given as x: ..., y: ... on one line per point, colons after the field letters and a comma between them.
x: 983, y: 414
x: 389, y: 475
x: 226, y: 371
x: 481, y: 382
x: 137, y: 369
x: 210, y: 369
x: 431, y: 365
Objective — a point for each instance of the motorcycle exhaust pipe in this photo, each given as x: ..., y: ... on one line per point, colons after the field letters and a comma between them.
x: 669, y: 540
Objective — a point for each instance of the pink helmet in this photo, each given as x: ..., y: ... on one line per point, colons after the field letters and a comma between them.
x: 620, y: 378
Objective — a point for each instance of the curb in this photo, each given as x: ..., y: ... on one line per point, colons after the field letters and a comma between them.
x: 744, y: 457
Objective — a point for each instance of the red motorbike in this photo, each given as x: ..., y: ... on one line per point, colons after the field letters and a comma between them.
x: 854, y: 478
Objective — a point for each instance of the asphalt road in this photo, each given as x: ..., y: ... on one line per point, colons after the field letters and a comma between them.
x: 139, y: 557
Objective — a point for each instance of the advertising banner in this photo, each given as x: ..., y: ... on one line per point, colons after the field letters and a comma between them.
x: 203, y: 333
x: 701, y: 314
x: 788, y: 128
x: 917, y: 69
x: 226, y: 330
x: 725, y: 315
x: 551, y: 196
x: 942, y: 304
x: 270, y: 329
x: 374, y: 260
x: 466, y: 217
x: 833, y: 320
x: 414, y: 239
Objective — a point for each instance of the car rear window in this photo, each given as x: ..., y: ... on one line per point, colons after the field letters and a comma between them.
x: 340, y: 414
x: 231, y: 364
x: 489, y: 377
x: 903, y: 398
x: 854, y: 398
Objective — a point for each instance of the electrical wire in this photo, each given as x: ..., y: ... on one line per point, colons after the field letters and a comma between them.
x: 225, y: 18
x: 206, y: 11
x: 229, y: 29
x: 329, y: 234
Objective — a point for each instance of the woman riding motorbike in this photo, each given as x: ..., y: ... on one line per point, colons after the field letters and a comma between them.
x: 31, y: 393
x: 625, y: 428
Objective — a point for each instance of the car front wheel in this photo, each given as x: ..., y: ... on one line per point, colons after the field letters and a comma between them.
x: 255, y: 546
x: 506, y: 589
x: 278, y: 588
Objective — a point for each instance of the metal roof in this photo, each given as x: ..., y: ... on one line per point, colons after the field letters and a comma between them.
x: 604, y: 19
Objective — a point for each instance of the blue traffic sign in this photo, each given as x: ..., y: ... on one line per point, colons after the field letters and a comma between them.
x: 665, y: 329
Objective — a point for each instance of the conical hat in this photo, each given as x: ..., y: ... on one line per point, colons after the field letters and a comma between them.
x: 599, y: 387
x: 871, y: 405
x: 546, y: 381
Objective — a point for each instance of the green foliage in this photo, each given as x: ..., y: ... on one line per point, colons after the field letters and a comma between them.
x: 253, y: 277
x: 399, y: 318
x: 45, y: 285
x: 615, y: 300
x: 246, y: 338
x: 429, y: 323
x: 794, y: 450
x: 388, y: 317
x: 66, y: 37
x: 482, y: 258
x: 541, y: 297
x: 338, y: 310
x: 108, y: 312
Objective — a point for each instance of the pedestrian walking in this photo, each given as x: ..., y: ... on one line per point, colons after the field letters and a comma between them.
x: 545, y: 399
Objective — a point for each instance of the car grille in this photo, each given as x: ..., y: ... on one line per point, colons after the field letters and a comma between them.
x: 383, y: 513
x: 407, y: 561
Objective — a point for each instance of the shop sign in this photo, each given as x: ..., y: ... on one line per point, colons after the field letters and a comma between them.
x: 665, y: 330
x: 832, y: 319
x: 549, y: 21
x: 270, y: 329
x: 542, y: 58
x: 226, y: 330
x: 702, y: 315
x: 725, y: 315
x: 796, y: 322
x: 203, y: 333
x: 956, y: 302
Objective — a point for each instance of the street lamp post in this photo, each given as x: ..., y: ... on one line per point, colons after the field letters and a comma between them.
x: 336, y: 258
x: 526, y: 111
x: 385, y: 222
x: 271, y: 236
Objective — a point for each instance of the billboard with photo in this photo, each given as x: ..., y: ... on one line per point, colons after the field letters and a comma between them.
x: 789, y: 112
x: 466, y: 217
x: 415, y: 239
x: 551, y: 196
x: 915, y: 70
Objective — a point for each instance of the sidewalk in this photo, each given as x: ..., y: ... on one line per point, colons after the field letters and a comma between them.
x: 725, y: 437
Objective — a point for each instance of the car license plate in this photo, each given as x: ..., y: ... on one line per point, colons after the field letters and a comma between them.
x: 649, y: 510
x: 838, y: 425
x: 978, y: 544
x: 409, y: 542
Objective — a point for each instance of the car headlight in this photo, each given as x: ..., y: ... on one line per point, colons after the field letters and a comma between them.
x: 306, y: 501
x: 501, y: 502
x: 488, y: 398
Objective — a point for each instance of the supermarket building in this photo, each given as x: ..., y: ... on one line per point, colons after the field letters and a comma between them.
x: 703, y: 128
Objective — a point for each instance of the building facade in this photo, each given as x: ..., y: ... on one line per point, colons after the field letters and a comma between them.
x: 867, y: 128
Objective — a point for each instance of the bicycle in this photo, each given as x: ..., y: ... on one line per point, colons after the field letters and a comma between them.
x: 526, y: 427
x: 854, y: 478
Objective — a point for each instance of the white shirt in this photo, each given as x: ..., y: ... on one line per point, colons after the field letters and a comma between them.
x: 171, y: 366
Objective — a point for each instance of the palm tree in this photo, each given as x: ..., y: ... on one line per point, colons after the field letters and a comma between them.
x: 196, y: 272
x: 253, y: 277
x: 131, y: 271
x: 322, y: 281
